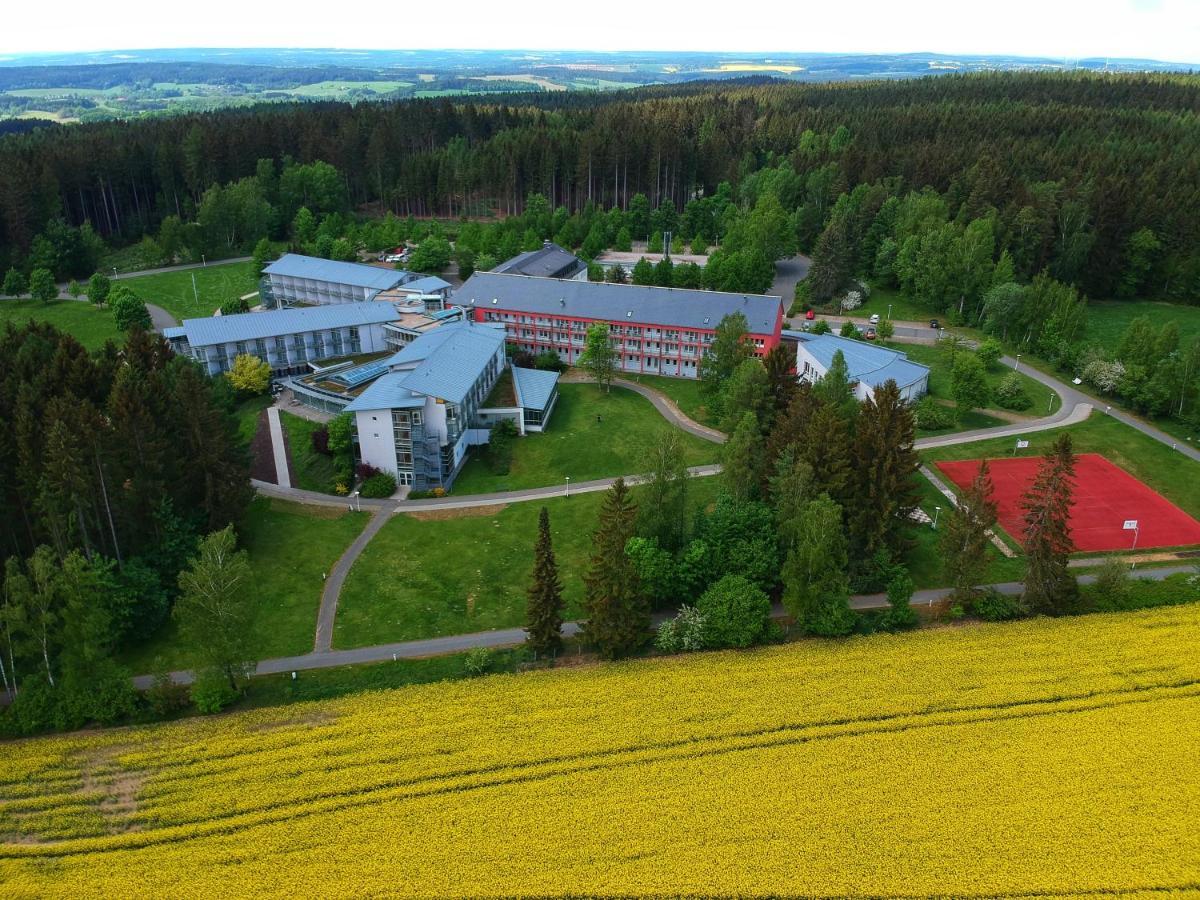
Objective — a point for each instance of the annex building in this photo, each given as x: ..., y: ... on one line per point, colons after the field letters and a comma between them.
x: 296, y: 280
x: 869, y: 365
x: 655, y: 330
x: 549, y: 261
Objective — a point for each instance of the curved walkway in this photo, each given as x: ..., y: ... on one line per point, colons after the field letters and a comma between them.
x: 666, y: 407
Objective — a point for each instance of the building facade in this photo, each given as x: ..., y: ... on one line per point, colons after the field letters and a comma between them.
x: 653, y: 330
x: 288, y: 340
x: 868, y: 366
x: 296, y: 280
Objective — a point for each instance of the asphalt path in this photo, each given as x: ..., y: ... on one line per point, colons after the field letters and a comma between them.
x: 510, y: 637
x: 787, y: 273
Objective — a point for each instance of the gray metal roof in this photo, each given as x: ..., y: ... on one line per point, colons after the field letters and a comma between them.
x: 386, y: 392
x: 865, y: 362
x: 533, y: 387
x: 356, y: 274
x: 453, y: 367
x: 277, y: 322
x: 549, y: 261
x: 635, y: 304
x: 422, y: 347
x: 174, y: 331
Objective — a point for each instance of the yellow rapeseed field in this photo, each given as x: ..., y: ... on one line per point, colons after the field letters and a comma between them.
x: 1045, y: 757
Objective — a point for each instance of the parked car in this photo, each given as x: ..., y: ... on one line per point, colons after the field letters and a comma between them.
x: 805, y: 326
x: 809, y: 314
x: 874, y: 320
x: 935, y: 325
x: 870, y: 335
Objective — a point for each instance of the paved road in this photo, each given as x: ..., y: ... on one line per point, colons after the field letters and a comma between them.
x: 787, y: 273
x: 509, y: 637
x: 279, y: 448
x: 327, y: 614
x: 908, y: 332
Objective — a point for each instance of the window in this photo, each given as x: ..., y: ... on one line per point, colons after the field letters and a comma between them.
x: 416, y: 417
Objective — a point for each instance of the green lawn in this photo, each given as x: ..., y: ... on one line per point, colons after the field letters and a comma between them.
x: 247, y: 413
x: 214, y: 285
x: 459, y: 571
x: 578, y: 445
x: 290, y: 547
x: 686, y: 394
x: 1167, y: 471
x: 90, y: 325
x: 904, y: 309
x: 311, y: 471
x: 1107, y: 320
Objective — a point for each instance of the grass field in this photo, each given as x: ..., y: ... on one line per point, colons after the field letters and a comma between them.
x: 1167, y: 471
x: 576, y: 444
x: 1047, y: 757
x: 310, y: 470
x: 459, y: 571
x: 290, y: 547
x: 247, y: 414
x: 1107, y: 320
x: 215, y: 284
x: 89, y: 325
x: 686, y: 394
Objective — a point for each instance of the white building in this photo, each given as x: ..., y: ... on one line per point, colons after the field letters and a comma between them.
x: 869, y: 366
x: 418, y: 419
x: 286, y: 339
x: 295, y: 280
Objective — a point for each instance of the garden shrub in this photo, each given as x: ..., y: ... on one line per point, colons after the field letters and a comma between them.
x: 1010, y: 393
x: 932, y: 416
x: 901, y: 616
x: 477, y: 661
x: 166, y: 696
x: 735, y: 612
x: 378, y: 486
x: 365, y: 471
x: 992, y: 606
x: 682, y: 634
x: 211, y: 691
x: 320, y: 441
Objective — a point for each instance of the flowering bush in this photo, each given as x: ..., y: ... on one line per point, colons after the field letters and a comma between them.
x: 1104, y: 375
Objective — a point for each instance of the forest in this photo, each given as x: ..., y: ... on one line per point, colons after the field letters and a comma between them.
x: 1074, y: 172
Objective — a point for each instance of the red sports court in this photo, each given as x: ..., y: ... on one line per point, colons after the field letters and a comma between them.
x: 1106, y: 496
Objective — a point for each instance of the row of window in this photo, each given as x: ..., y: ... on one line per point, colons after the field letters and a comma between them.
x: 614, y: 329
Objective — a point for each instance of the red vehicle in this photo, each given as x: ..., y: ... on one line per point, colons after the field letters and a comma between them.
x: 870, y: 335
x: 810, y: 315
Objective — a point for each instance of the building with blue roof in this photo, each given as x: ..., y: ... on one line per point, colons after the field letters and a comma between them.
x: 286, y: 339
x: 418, y: 420
x: 297, y: 280
x: 869, y: 366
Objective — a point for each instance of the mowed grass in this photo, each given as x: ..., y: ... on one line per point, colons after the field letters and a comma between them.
x: 1167, y: 471
x: 311, y: 471
x: 88, y: 324
x: 1108, y: 320
x: 1049, y: 757
x: 457, y: 571
x: 941, y: 381
x: 290, y: 548
x: 686, y: 394
x: 592, y: 434
x: 215, y: 284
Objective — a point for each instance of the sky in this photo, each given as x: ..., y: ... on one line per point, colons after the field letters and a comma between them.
x: 1167, y: 30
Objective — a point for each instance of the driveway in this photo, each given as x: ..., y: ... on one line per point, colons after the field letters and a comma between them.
x: 787, y: 273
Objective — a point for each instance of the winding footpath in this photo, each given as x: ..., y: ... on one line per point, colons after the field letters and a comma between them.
x: 1076, y: 406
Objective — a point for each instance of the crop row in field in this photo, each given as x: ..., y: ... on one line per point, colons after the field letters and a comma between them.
x: 1041, y: 756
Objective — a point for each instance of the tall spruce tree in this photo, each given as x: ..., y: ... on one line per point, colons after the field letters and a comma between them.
x: 1050, y: 588
x: 781, y: 379
x: 834, y: 389
x: 885, y: 465
x: 663, y: 515
x: 964, y: 538
x: 544, y: 611
x: 618, y: 617
x: 825, y: 446
x: 747, y: 390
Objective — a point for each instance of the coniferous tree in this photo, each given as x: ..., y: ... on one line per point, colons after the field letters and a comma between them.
x: 663, y: 515
x: 544, y: 611
x: 964, y: 537
x: 826, y: 448
x: 1049, y: 586
x: 727, y: 351
x: 742, y: 459
x: 618, y: 617
x: 747, y: 390
x: 834, y: 389
x: 781, y: 379
x: 884, y: 474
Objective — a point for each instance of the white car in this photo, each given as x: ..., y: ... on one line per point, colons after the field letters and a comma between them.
x: 874, y: 320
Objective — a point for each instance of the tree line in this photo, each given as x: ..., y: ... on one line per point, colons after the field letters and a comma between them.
x: 1075, y: 166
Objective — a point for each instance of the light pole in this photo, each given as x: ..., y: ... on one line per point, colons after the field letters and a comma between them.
x: 889, y: 312
x: 114, y: 268
x: 1050, y: 408
x: 357, y: 501
x: 936, y: 511
x: 568, y: 485
x: 1017, y: 364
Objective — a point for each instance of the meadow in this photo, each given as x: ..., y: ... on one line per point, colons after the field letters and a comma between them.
x: 214, y: 284
x: 88, y: 324
x: 1042, y: 757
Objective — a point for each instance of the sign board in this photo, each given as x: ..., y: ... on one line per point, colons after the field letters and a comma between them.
x: 1130, y: 525
x: 1021, y: 445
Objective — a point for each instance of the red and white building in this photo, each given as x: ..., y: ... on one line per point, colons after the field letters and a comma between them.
x: 654, y: 330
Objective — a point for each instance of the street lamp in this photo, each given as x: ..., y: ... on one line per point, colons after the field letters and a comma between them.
x: 568, y: 485
x: 1017, y: 364
x: 889, y: 312
x: 357, y: 497
x: 936, y: 511
x: 114, y: 268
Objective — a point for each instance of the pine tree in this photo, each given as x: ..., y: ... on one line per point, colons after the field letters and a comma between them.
x: 618, y: 617
x: 747, y: 391
x: 884, y: 475
x: 789, y: 428
x: 544, y: 611
x: 834, y: 389
x: 964, y: 538
x: 742, y: 459
x: 825, y: 446
x: 663, y: 515
x: 781, y: 379
x: 1049, y: 586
